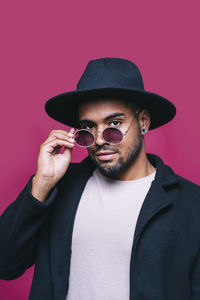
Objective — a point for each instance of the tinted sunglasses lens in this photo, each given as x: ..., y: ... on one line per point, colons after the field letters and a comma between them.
x: 84, y: 138
x: 112, y: 135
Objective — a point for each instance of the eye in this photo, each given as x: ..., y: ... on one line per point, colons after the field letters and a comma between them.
x: 115, y: 123
x: 88, y: 126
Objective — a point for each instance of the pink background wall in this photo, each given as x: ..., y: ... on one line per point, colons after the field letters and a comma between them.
x: 45, y: 46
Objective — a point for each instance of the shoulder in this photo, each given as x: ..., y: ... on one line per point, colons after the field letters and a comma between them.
x: 189, y: 187
x: 185, y: 195
x: 172, y: 182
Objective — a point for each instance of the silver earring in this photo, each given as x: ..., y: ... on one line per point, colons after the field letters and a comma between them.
x: 144, y: 130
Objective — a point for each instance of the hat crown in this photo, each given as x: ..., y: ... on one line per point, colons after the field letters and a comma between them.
x: 111, y: 73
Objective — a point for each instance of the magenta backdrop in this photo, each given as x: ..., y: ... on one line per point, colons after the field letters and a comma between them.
x: 45, y: 47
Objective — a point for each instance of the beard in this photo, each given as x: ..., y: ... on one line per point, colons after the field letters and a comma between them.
x: 123, y: 163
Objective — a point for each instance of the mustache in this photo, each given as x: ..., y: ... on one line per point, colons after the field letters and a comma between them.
x: 105, y: 148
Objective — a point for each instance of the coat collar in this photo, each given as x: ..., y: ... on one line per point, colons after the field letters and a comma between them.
x: 165, y: 176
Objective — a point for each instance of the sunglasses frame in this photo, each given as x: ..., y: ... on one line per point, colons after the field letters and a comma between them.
x: 94, y: 134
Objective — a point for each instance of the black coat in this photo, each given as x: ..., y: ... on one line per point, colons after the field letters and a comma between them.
x: 165, y: 259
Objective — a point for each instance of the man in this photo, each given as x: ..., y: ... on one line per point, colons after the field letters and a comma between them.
x: 119, y: 225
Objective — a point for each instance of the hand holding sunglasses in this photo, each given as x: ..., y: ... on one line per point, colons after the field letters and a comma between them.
x: 52, y: 164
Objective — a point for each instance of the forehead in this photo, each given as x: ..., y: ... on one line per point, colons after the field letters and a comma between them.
x: 101, y: 108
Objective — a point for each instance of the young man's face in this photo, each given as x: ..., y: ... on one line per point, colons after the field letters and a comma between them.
x: 95, y: 116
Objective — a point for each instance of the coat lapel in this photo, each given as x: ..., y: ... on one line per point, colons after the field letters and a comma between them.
x: 155, y: 201
x: 157, y: 198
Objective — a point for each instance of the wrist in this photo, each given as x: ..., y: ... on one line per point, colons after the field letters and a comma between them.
x: 41, y: 187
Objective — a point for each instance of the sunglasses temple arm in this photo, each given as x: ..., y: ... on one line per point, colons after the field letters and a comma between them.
x: 137, y: 112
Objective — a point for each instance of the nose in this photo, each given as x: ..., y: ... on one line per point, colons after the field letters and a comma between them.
x: 99, y: 139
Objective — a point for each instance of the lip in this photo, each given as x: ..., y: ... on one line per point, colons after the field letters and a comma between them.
x: 105, y: 155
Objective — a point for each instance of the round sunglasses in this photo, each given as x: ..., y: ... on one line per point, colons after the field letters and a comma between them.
x: 111, y: 135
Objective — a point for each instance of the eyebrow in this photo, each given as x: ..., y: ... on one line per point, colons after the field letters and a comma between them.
x: 117, y: 114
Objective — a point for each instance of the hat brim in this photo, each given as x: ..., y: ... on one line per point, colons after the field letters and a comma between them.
x: 64, y: 107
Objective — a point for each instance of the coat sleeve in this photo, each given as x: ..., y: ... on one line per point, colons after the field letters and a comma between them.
x: 195, y: 280
x: 19, y: 227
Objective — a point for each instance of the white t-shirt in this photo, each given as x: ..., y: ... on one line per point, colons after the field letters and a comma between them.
x: 103, y: 235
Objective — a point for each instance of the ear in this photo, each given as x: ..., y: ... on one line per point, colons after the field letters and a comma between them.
x: 144, y: 121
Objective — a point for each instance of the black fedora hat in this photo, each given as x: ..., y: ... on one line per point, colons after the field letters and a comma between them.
x: 110, y: 78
